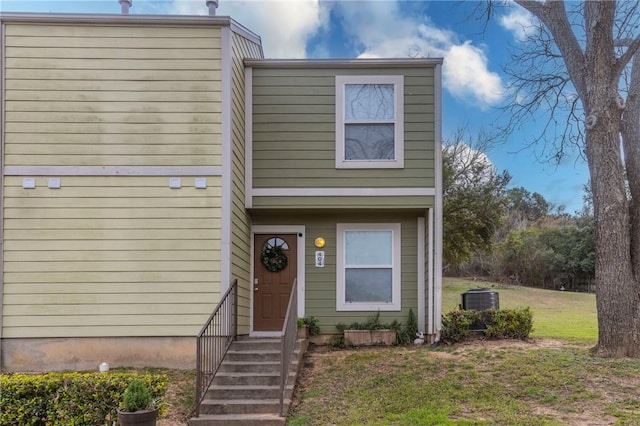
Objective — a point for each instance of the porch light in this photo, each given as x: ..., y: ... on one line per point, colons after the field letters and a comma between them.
x: 319, y: 242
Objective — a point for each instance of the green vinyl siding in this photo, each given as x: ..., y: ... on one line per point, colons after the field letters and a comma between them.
x: 241, y: 48
x: 307, y: 202
x: 293, y: 139
x: 320, y: 283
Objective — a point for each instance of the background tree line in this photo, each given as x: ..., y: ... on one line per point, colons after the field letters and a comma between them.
x: 510, y: 234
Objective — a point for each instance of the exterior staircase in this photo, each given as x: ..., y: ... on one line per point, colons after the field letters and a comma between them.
x: 246, y: 389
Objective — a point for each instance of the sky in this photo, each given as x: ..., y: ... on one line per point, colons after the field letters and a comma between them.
x: 474, y: 52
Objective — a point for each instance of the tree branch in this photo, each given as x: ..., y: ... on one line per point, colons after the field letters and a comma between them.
x: 554, y: 15
x: 623, y: 61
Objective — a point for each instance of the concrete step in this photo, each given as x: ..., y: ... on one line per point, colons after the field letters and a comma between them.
x: 254, y: 355
x: 246, y: 389
x: 238, y: 420
x: 241, y: 406
x: 246, y: 392
x: 249, y: 378
x: 257, y: 344
x: 251, y: 367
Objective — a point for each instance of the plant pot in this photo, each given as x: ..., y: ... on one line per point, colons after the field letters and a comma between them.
x: 303, y: 332
x: 138, y: 418
x: 369, y: 337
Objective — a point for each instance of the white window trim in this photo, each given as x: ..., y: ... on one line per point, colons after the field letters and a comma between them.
x: 398, y: 93
x: 396, y: 303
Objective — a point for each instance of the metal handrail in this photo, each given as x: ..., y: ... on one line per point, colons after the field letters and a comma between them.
x: 289, y: 337
x: 214, y: 340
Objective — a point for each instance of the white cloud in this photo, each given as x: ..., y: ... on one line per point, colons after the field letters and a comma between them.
x: 380, y: 30
x: 375, y: 29
x: 284, y: 26
x: 465, y: 72
x: 519, y: 22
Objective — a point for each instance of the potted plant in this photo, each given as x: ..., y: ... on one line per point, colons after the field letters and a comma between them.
x: 303, y: 329
x: 138, y: 407
x: 308, y: 326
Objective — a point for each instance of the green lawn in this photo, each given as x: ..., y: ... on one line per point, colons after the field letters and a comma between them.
x: 556, y: 314
x: 552, y: 379
x: 482, y: 383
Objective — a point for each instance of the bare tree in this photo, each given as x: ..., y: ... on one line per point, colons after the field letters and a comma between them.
x: 596, y: 45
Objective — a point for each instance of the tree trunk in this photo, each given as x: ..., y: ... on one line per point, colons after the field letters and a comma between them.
x: 617, y: 296
x: 595, y: 73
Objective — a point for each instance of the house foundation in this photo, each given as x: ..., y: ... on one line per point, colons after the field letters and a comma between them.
x: 87, y: 353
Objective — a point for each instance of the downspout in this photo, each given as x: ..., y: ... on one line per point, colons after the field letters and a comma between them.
x: 438, y: 210
x: 2, y: 127
x: 422, y: 309
x: 227, y: 163
x: 431, y: 328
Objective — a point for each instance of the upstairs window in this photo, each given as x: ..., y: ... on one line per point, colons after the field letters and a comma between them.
x: 369, y: 121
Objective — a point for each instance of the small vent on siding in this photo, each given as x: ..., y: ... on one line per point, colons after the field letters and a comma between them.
x: 124, y: 6
x: 212, y: 5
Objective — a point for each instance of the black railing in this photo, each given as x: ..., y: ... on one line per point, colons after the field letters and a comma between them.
x: 214, y: 340
x: 289, y: 337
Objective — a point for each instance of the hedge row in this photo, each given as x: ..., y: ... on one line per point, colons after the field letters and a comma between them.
x: 495, y: 323
x: 69, y: 399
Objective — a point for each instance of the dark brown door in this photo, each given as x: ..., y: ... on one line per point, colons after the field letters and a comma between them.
x: 272, y: 283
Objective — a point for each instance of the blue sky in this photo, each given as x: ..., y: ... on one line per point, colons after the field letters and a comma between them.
x: 473, y: 82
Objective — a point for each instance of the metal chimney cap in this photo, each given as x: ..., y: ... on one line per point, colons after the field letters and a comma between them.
x: 125, y: 5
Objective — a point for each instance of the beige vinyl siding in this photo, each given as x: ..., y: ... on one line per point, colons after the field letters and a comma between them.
x: 110, y: 256
x: 294, y: 130
x: 112, y: 95
x: 240, y: 220
x: 320, y: 283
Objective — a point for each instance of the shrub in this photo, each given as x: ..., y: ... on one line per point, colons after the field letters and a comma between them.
x: 456, y: 324
x: 498, y: 324
x: 412, y: 325
x: 509, y: 323
x: 406, y: 334
x: 67, y: 399
x: 136, y: 397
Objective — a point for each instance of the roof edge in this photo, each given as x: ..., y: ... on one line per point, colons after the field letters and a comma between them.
x: 116, y: 19
x: 343, y: 63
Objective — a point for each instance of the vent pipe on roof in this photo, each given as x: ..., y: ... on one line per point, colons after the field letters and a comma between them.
x: 212, y: 5
x: 125, y: 5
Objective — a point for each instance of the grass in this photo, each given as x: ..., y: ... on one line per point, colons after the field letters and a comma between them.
x: 556, y: 314
x: 551, y: 380
x: 501, y: 383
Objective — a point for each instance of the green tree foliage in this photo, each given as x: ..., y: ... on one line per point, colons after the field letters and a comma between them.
x: 548, y: 257
x: 474, y: 202
x: 524, y: 209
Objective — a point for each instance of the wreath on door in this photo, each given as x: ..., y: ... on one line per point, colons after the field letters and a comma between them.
x: 274, y: 259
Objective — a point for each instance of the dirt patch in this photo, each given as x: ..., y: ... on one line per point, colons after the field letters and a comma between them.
x: 179, y: 398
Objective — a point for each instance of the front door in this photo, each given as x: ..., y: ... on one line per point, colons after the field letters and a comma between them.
x: 275, y: 268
